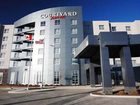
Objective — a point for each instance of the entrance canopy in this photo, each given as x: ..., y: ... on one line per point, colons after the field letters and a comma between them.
x: 90, y: 47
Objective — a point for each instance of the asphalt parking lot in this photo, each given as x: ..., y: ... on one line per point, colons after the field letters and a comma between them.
x: 62, y: 97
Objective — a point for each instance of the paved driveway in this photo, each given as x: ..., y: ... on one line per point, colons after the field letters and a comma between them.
x: 62, y: 97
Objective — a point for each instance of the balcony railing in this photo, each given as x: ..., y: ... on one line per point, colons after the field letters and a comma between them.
x: 21, y: 33
x: 17, y: 58
x: 17, y: 50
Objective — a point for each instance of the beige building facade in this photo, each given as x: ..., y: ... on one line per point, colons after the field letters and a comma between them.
x: 5, y: 51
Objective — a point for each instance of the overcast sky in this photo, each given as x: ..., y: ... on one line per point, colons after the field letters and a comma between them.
x: 112, y: 10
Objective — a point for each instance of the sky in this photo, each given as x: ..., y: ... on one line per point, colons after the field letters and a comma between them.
x: 112, y: 10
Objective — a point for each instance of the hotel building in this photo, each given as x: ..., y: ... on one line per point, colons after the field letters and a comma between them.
x: 44, y: 42
x: 55, y: 33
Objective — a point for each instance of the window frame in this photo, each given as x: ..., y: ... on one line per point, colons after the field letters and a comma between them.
x: 74, y: 40
x: 74, y: 21
x: 57, y: 22
x: 101, y: 27
x: 74, y: 31
x: 42, y: 32
x: 128, y: 28
x: 43, y: 23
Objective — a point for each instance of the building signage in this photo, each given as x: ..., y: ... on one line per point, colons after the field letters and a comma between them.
x: 58, y: 15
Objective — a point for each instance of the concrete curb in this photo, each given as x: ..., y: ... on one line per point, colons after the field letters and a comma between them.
x: 113, y: 96
x: 78, y: 87
x: 28, y: 91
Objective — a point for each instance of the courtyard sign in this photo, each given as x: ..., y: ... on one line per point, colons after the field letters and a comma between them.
x: 58, y: 15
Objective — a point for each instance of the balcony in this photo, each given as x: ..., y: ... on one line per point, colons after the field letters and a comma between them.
x: 16, y: 58
x: 27, y: 48
x: 27, y: 41
x: 28, y: 58
x: 24, y: 31
x: 17, y: 50
x: 18, y: 41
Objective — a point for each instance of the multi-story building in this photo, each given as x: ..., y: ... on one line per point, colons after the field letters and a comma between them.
x: 54, y: 33
x: 44, y: 43
x: 5, y: 52
x: 132, y: 28
x: 106, y: 26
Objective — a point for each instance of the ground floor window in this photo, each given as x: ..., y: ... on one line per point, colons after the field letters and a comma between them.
x: 39, y: 77
x: 1, y: 77
x: 56, y: 77
x: 12, y: 78
x: 75, y: 77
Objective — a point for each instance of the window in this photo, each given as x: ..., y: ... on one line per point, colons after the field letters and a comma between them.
x: 18, y: 38
x: 57, y: 22
x: 73, y: 22
x: 74, y: 40
x: 1, y: 77
x: 101, y: 27
x: 3, y: 46
x: 28, y: 53
x: 134, y: 62
x: 40, y: 51
x: 57, y: 40
x: 75, y: 77
x: 40, y: 61
x: 5, y: 38
x: 43, y: 23
x: 113, y: 29
x: 74, y: 61
x: 117, y: 62
x: 6, y: 30
x: 1, y: 63
x: 56, y: 77
x: 74, y: 30
x: 42, y: 32
x: 57, y: 61
x: 19, y: 30
x: 128, y: 28
x: 57, y: 31
x: 39, y: 77
x: 17, y: 46
x: 16, y: 55
x: 15, y: 63
x: 27, y: 63
x: 73, y: 51
x: 2, y: 55
x: 57, y: 50
x: 29, y: 44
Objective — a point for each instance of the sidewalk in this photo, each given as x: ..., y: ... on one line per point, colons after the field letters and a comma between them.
x: 24, y: 90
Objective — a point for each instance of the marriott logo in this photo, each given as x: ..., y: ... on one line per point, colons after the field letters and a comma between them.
x: 59, y: 14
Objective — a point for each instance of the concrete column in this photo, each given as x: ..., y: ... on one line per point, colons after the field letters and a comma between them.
x: 92, y: 75
x: 105, y: 69
x: 127, y: 69
x: 83, y: 76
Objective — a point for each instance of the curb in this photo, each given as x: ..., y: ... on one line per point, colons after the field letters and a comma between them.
x: 28, y: 91
x: 113, y: 96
